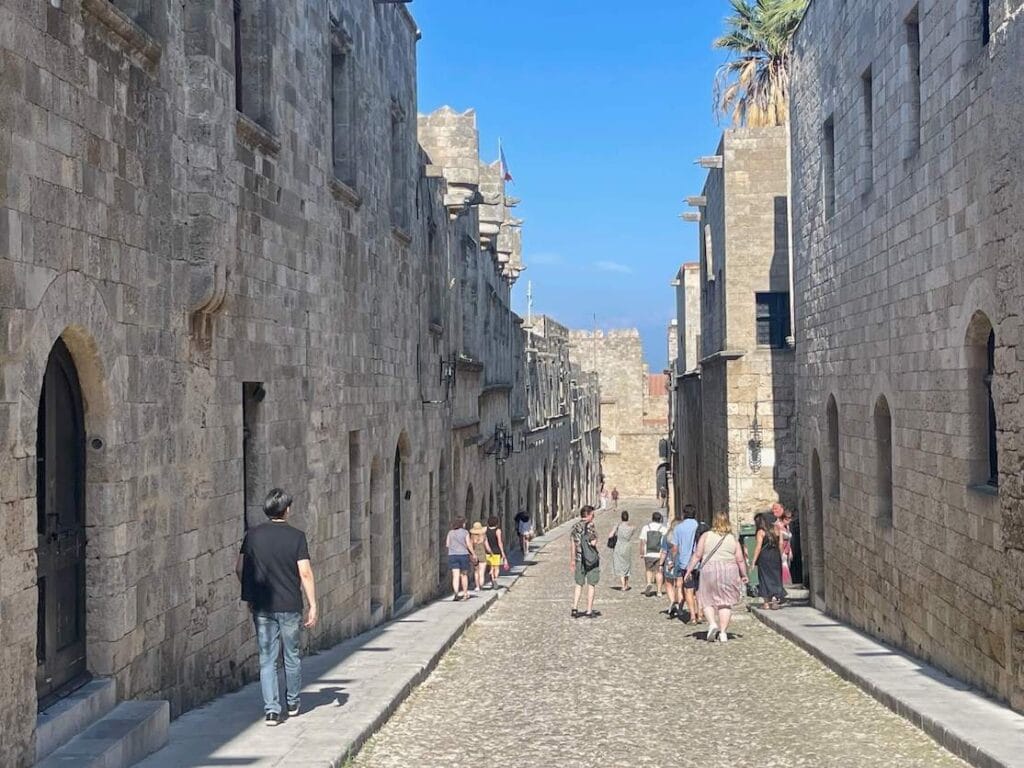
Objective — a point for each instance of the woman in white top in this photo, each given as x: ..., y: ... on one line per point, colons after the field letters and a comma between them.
x: 723, y: 569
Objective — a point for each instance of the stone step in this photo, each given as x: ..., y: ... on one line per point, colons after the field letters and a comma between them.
x: 132, y: 730
x: 64, y: 719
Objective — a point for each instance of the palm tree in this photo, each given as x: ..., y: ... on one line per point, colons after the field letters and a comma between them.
x: 752, y: 87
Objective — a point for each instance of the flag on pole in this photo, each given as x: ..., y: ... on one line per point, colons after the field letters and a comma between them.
x: 506, y: 175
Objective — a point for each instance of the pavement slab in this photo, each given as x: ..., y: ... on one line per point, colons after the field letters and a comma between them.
x: 527, y: 685
x: 348, y: 692
x: 982, y: 731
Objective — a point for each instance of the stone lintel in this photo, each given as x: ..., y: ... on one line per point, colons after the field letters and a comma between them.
x: 127, y: 33
x: 724, y: 356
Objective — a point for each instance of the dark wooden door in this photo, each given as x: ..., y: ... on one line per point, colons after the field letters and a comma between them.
x: 396, y: 533
x: 60, y: 495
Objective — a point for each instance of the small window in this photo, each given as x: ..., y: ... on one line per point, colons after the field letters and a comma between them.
x: 772, y: 319
x: 253, y: 453
x: 342, y: 108
x: 986, y: 21
x: 828, y: 167
x: 868, y: 138
x: 399, y: 172
x: 912, y: 59
x: 980, y: 346
x: 993, y: 448
x: 709, y: 255
x: 355, y: 489
x: 835, y: 480
x: 883, y: 461
x: 253, y: 73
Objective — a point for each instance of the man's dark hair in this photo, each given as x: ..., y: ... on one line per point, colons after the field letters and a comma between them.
x: 656, y: 517
x: 586, y: 510
x: 492, y: 522
x: 277, y: 504
x: 625, y: 516
x: 689, y: 511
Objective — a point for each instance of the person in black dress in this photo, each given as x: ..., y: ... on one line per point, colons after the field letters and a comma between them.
x: 768, y: 559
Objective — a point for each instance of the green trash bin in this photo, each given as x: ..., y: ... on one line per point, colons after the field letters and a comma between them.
x: 748, y: 540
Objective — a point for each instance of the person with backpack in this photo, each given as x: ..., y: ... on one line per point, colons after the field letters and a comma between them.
x: 651, y: 536
x: 584, y: 562
x: 494, y: 543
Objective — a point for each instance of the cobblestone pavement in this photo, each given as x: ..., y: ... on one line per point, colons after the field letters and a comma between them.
x: 529, y: 686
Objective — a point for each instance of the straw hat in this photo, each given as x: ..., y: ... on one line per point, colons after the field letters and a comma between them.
x: 477, y: 528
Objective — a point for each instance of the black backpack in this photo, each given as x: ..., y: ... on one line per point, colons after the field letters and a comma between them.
x: 589, y: 556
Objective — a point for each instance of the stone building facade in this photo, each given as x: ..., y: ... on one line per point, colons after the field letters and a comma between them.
x: 634, y: 407
x: 908, y: 182
x: 686, y: 470
x: 735, y: 431
x: 227, y: 264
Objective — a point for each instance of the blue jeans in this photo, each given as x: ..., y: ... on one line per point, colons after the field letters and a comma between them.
x: 274, y: 630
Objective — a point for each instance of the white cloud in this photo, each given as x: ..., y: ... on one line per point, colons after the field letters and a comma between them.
x: 612, y: 266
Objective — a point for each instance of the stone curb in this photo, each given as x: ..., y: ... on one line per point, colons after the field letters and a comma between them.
x: 942, y: 730
x: 353, y: 747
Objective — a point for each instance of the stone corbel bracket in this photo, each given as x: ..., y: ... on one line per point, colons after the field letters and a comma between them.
x: 208, y: 290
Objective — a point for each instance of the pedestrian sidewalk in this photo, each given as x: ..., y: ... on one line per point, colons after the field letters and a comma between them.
x: 349, y: 691
x: 969, y: 725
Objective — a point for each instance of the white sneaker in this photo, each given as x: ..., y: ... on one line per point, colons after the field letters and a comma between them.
x: 712, y: 634
x: 723, y: 637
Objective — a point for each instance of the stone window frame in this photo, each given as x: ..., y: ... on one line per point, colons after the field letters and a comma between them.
x: 867, y: 132
x: 884, y: 458
x: 828, y: 167
x: 979, y: 348
x: 910, y: 65
x: 343, y: 107
x: 253, y: 63
x: 834, y: 453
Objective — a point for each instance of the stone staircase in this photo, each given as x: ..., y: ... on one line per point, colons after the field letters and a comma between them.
x: 89, y: 729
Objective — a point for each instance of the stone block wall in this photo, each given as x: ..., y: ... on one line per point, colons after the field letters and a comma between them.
x: 189, y: 254
x: 633, y: 421
x: 898, y: 285
x: 745, y: 440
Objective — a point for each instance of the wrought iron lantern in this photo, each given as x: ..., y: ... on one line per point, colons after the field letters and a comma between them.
x: 754, y: 444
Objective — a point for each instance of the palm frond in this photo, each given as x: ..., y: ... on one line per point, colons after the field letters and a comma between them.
x: 752, y: 86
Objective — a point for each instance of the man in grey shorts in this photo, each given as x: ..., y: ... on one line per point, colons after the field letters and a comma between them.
x: 583, y: 531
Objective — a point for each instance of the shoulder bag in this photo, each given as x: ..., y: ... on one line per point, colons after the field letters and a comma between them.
x: 707, y: 557
x: 614, y: 538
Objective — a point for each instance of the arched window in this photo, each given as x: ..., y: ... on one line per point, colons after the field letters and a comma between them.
x: 883, y: 460
x: 835, y: 481
x: 983, y: 460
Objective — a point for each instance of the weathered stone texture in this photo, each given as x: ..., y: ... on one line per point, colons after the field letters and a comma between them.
x: 896, y: 293
x: 634, y: 407
x: 739, y: 455
x: 179, y: 249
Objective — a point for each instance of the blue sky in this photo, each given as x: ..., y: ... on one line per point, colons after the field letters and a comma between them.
x: 602, y: 108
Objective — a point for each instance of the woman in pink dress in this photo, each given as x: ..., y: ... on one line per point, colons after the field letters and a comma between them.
x: 723, y: 572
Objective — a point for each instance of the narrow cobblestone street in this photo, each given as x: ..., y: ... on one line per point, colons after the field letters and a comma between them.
x: 529, y: 686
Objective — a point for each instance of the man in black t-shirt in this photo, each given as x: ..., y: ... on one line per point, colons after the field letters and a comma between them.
x: 273, y: 566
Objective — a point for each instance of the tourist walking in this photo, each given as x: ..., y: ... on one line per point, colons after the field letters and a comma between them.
x: 681, y: 541
x: 661, y: 484
x: 274, y: 569
x: 667, y: 563
x: 621, y: 542
x: 615, y: 498
x: 584, y: 562
x: 719, y: 559
x: 494, y: 543
x: 524, y: 527
x: 478, y: 538
x: 651, y: 537
x: 460, y: 558
x: 768, y: 559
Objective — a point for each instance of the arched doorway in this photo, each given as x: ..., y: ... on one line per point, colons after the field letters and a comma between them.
x: 60, y: 524
x: 397, y: 489
x: 817, y: 569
